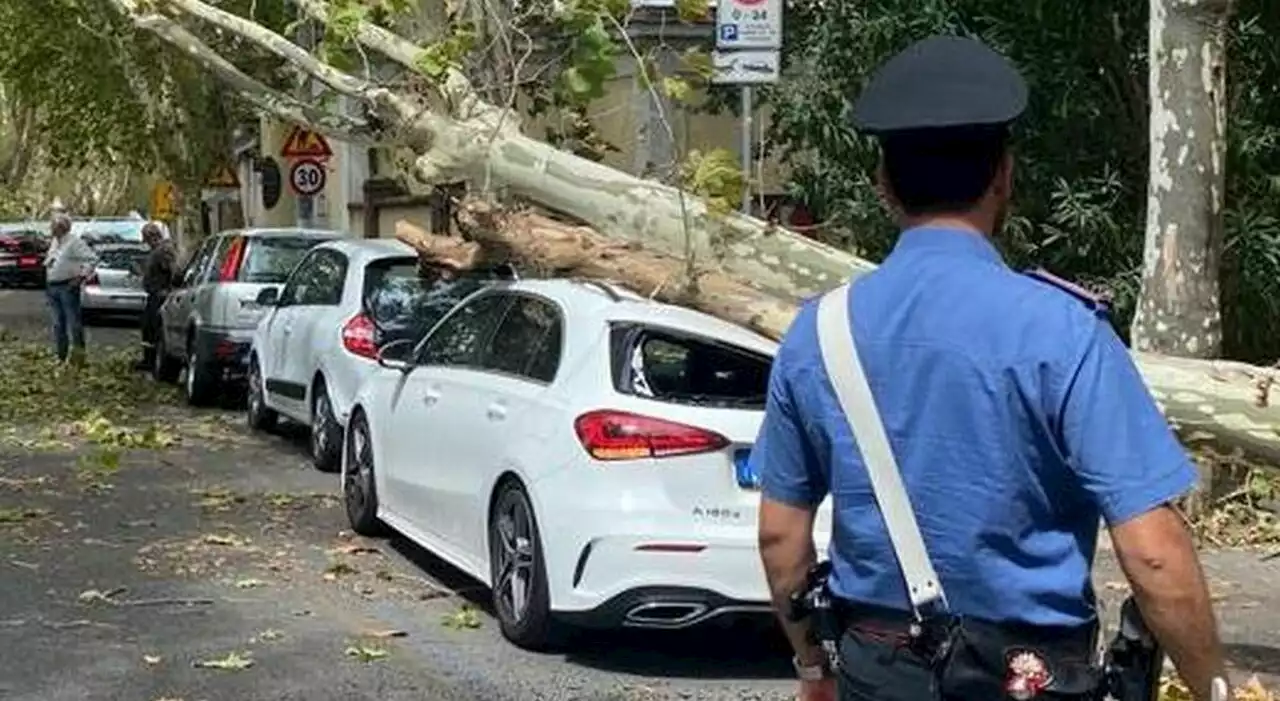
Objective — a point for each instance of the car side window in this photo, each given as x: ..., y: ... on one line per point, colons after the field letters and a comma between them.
x: 527, y: 343
x: 460, y: 339
x: 198, y: 263
x: 302, y: 277
x: 324, y: 279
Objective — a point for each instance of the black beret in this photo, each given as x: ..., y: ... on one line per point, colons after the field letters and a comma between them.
x: 939, y: 82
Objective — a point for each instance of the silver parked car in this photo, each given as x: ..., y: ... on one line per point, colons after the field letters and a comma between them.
x: 116, y: 284
x: 208, y: 320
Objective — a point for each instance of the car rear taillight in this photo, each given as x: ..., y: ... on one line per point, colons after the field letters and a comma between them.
x: 619, y: 435
x: 358, y: 337
x: 230, y: 269
x: 93, y: 280
x: 9, y: 243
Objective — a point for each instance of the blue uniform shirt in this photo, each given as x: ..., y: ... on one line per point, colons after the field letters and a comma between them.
x: 1015, y: 413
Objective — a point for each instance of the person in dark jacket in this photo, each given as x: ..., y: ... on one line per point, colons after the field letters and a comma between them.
x: 157, y: 279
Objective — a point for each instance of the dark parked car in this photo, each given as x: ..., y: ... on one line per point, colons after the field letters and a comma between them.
x: 22, y: 249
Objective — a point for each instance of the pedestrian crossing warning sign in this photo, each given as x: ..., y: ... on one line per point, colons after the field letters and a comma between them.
x: 223, y: 177
x: 302, y: 143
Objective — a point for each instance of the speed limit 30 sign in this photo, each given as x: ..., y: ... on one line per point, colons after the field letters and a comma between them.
x: 307, y: 177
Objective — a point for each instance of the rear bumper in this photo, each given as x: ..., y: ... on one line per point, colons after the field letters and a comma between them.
x: 667, y: 608
x: 13, y: 273
x: 94, y: 298
x: 226, y: 352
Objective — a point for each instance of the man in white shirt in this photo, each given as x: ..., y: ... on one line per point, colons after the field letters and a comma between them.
x: 68, y: 263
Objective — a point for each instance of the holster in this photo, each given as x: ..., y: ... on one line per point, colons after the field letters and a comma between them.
x: 976, y: 659
x: 980, y: 660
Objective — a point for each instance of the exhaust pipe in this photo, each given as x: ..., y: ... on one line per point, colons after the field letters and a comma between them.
x: 675, y: 614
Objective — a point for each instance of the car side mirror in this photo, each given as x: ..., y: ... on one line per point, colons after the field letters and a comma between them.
x: 268, y: 297
x: 394, y: 355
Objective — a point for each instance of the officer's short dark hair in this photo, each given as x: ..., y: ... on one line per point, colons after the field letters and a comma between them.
x: 935, y: 171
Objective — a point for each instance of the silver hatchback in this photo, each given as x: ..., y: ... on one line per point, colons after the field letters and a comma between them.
x: 209, y: 318
x: 116, y: 284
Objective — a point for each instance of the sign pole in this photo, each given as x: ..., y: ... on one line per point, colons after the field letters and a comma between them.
x: 746, y: 148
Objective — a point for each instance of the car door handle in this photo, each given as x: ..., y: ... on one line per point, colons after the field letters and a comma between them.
x: 430, y: 396
x: 497, y: 411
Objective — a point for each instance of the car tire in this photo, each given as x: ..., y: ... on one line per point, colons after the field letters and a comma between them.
x: 515, y: 551
x: 199, y: 385
x: 359, y: 488
x: 326, y: 432
x: 259, y: 416
x: 164, y: 368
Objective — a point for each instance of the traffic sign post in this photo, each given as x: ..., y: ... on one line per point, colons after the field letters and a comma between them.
x: 301, y: 143
x: 307, y: 177
x: 748, y: 40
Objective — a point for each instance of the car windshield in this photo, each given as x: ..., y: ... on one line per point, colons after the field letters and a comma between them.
x: 108, y: 231
x: 270, y: 259
x: 121, y: 258
x: 405, y: 305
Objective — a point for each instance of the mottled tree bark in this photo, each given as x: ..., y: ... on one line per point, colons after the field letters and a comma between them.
x: 1178, y: 311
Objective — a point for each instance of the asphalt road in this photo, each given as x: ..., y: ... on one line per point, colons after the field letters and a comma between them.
x: 228, y: 548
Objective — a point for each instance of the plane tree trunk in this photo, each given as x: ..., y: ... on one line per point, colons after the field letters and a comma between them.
x: 1178, y: 310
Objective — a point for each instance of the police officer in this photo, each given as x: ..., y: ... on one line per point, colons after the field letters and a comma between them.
x: 157, y: 281
x: 1016, y: 416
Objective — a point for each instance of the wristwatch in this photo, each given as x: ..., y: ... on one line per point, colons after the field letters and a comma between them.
x: 810, y: 673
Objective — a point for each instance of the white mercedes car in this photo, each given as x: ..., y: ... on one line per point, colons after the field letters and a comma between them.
x: 577, y: 448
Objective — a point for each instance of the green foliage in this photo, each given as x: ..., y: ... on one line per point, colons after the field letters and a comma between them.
x: 1082, y: 166
x: 439, y: 57
x: 714, y: 176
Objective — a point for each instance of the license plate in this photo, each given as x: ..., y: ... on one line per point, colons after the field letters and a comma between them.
x: 747, y: 477
x: 28, y: 261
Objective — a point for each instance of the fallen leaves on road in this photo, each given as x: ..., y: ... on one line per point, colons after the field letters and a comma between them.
x: 465, y: 618
x: 21, y: 514
x: 93, y: 596
x: 269, y: 635
x: 1172, y: 689
x: 384, y: 634
x: 37, y: 392
x: 338, y: 569
x: 218, y: 499
x: 250, y: 583
x: 234, y: 662
x: 225, y: 539
x: 366, y: 653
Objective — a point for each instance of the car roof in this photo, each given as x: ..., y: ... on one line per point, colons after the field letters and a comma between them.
x: 284, y: 232
x: 366, y: 250
x: 122, y: 246
x: 611, y: 301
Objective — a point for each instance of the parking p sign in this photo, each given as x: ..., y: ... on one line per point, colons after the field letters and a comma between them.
x: 749, y: 24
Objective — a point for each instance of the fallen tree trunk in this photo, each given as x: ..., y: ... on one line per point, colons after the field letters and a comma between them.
x: 1222, y: 403
x: 748, y: 271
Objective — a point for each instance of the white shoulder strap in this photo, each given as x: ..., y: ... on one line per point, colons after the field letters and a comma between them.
x: 844, y: 369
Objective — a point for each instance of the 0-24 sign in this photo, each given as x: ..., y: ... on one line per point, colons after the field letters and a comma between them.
x: 307, y: 177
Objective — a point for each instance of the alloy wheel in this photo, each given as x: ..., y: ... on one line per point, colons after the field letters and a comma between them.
x: 322, y: 422
x: 515, y: 559
x: 255, y: 393
x: 358, y: 472
x: 190, y: 382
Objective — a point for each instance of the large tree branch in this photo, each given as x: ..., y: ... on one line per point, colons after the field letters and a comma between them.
x: 256, y: 93
x: 302, y: 59
x: 456, y: 89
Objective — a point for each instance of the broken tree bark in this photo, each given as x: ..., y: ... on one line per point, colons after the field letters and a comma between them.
x: 642, y: 232
x: 1223, y: 403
